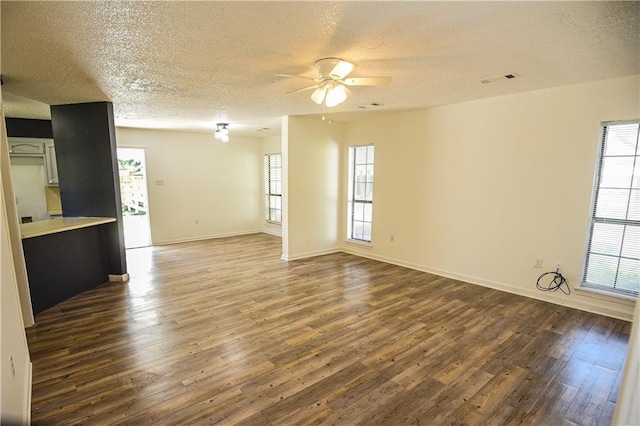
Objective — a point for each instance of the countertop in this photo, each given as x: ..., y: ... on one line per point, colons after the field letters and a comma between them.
x: 60, y: 224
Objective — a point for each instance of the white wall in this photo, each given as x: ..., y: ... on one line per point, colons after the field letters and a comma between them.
x: 628, y: 404
x: 312, y: 158
x: 479, y: 190
x: 204, y: 180
x: 15, y: 363
x: 270, y: 145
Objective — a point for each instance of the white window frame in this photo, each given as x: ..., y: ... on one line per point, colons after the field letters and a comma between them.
x: 366, y: 202
x: 273, y: 188
x: 627, y: 226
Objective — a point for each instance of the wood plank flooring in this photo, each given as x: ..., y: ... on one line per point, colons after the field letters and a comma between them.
x: 224, y: 332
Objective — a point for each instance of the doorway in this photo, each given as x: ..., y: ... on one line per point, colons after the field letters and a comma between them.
x: 133, y: 190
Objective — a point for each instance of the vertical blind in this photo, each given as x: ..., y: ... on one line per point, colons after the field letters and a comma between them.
x: 613, y: 251
x: 273, y: 187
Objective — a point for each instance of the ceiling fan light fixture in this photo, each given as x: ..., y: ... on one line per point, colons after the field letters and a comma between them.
x: 320, y: 93
x: 222, y: 132
x: 335, y: 95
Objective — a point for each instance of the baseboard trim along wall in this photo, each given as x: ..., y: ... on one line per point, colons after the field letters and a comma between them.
x: 119, y: 278
x: 206, y: 237
x: 588, y: 304
x: 28, y: 393
x: 311, y: 254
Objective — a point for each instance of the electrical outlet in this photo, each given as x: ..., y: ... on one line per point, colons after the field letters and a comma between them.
x: 159, y: 182
x: 538, y: 263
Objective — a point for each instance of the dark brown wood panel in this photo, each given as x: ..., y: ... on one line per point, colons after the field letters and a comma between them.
x: 224, y: 332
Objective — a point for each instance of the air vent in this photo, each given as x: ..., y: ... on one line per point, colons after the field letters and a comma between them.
x: 371, y: 105
x: 499, y: 78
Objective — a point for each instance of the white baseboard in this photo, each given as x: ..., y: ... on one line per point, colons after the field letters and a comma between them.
x: 119, y: 278
x: 28, y: 393
x: 588, y: 304
x: 206, y: 237
x: 311, y: 254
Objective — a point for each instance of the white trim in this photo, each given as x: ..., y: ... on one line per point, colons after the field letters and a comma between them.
x: 272, y: 229
x: 206, y: 237
x: 609, y: 296
x: 312, y: 254
x: 119, y: 278
x: 625, y: 313
x: 627, y: 408
x: 28, y: 393
x: 363, y: 244
x: 271, y: 232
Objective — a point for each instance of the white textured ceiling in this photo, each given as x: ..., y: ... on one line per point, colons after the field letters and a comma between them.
x: 188, y: 65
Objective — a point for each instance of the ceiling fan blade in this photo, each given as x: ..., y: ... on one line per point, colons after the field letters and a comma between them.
x: 342, y: 69
x: 301, y: 89
x: 295, y: 76
x: 367, y: 81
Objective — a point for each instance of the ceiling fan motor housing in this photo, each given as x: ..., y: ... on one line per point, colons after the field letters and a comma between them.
x: 333, y: 68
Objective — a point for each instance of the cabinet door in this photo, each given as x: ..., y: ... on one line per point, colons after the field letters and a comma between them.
x: 52, y: 165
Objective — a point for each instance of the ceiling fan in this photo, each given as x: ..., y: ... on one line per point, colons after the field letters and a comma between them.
x: 331, y: 84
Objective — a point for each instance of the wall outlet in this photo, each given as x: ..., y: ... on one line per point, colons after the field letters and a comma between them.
x: 159, y: 182
x: 538, y: 263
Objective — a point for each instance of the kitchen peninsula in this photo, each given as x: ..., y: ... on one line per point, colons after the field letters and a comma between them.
x: 64, y: 257
x: 67, y: 255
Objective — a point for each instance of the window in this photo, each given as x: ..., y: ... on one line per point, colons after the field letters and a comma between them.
x: 613, y: 251
x: 273, y: 187
x: 360, y: 210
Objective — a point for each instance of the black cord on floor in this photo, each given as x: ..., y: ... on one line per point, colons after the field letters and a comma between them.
x: 557, y: 282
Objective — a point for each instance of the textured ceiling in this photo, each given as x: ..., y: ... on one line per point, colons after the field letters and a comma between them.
x: 188, y: 65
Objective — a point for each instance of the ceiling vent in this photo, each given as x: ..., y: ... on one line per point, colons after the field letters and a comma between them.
x: 499, y: 78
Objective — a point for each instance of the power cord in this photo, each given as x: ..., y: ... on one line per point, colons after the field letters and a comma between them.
x: 557, y: 282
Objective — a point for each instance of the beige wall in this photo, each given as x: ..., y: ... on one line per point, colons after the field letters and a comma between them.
x: 628, y: 404
x: 479, y: 190
x: 312, y: 158
x: 217, y: 184
x: 15, y: 363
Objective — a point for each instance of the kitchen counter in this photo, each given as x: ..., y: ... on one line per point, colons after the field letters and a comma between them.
x: 65, y: 256
x: 60, y: 224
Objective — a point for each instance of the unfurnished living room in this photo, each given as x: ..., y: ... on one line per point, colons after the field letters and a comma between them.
x: 296, y: 213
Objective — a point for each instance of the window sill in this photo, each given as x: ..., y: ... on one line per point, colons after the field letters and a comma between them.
x: 364, y: 244
x: 610, y: 296
x: 273, y: 223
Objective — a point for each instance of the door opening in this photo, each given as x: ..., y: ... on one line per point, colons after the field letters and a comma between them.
x: 135, y: 205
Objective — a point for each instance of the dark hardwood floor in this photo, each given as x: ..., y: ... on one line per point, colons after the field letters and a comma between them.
x: 224, y: 332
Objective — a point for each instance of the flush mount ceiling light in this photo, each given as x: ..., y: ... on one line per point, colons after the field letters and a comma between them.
x: 222, y: 132
x: 331, y: 84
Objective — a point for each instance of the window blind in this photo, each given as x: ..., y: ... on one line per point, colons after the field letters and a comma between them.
x: 273, y: 187
x: 613, y: 249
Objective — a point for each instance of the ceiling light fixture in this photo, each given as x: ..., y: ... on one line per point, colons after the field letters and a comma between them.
x: 222, y: 132
x: 330, y: 92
